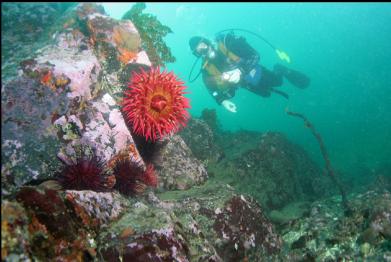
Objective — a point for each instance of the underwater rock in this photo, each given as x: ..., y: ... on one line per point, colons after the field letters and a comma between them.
x: 369, y: 236
x: 382, y: 178
x: 327, y: 234
x: 106, y: 33
x: 290, y: 212
x: 177, y: 167
x: 210, y: 117
x: 278, y: 172
x: 14, y: 232
x: 162, y: 245
x: 66, y: 59
x: 117, y: 45
x: 144, y: 234
x: 99, y: 125
x: 148, y: 247
x: 61, y: 224
x: 49, y: 208
x: 29, y: 141
x: 242, y: 225
x: 234, y: 225
x: 214, y: 224
x: 26, y: 27
x: 379, y: 221
x: 200, y: 139
x: 96, y: 209
x: 211, y: 223
x: 55, y: 231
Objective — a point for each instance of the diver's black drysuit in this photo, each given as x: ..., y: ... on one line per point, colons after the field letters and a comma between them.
x: 235, y: 53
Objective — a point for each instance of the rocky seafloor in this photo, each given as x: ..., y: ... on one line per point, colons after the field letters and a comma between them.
x: 221, y: 196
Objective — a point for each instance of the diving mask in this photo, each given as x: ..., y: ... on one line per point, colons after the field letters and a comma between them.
x: 204, y: 50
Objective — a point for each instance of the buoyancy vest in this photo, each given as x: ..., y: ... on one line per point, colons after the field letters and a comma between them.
x: 214, y: 72
x: 228, y: 53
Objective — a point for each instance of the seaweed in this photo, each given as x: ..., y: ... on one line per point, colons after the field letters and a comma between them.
x: 152, y: 33
x: 326, y: 158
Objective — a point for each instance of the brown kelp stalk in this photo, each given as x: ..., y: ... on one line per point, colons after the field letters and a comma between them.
x: 326, y: 158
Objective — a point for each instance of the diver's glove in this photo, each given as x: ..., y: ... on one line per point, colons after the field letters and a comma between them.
x: 232, y: 76
x: 229, y: 106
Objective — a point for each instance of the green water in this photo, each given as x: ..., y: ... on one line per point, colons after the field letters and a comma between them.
x: 344, y: 48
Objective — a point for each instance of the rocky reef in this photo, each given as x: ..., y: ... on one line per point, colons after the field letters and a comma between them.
x: 325, y: 234
x: 220, y: 196
x: 295, y: 194
x: 266, y: 165
x: 178, y: 167
x: 62, y: 99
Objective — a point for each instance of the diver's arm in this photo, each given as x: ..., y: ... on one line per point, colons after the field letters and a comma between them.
x: 221, y: 97
x: 214, y: 91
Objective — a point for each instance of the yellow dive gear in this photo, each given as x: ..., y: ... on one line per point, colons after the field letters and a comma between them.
x: 283, y: 56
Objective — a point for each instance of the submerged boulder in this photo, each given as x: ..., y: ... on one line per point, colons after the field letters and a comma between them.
x: 56, y: 231
x: 200, y: 138
x: 281, y: 172
x: 144, y: 234
x: 14, y: 231
x: 234, y: 225
x: 177, y: 167
x: 328, y: 235
x: 273, y: 170
x: 267, y: 166
x: 29, y: 139
x: 25, y: 28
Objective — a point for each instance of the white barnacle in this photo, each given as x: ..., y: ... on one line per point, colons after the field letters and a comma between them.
x: 225, y: 236
x: 243, y: 198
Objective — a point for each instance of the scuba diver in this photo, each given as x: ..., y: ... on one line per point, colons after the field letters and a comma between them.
x: 234, y: 63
